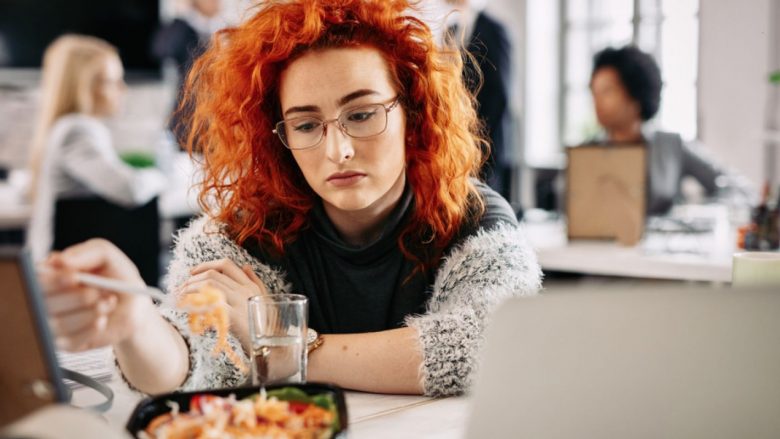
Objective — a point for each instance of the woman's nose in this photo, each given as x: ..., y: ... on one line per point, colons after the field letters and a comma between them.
x: 338, y: 145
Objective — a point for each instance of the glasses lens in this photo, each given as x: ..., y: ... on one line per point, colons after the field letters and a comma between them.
x: 365, y: 121
x: 301, y: 132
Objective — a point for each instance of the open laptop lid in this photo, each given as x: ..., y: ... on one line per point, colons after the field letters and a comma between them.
x: 29, y: 375
x: 672, y: 363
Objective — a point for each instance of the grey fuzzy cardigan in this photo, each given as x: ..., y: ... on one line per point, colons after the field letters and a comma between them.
x: 486, y: 268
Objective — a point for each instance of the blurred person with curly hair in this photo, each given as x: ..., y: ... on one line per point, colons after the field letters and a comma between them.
x: 626, y: 87
x: 340, y: 154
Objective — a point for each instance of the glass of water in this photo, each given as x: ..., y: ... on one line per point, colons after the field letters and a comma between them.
x: 277, y: 328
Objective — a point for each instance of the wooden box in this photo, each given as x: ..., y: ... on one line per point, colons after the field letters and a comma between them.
x: 606, y: 192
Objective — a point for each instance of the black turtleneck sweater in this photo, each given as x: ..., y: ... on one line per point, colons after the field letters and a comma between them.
x: 368, y: 288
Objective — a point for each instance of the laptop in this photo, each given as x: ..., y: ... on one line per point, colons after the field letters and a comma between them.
x: 674, y: 362
x: 29, y: 376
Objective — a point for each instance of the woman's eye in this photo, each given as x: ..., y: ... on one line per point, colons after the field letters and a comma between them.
x: 361, y: 116
x: 305, y: 127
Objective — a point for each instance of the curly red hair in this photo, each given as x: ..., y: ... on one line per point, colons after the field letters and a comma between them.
x: 251, y: 181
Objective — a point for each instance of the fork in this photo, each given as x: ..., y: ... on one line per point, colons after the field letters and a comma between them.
x: 115, y: 285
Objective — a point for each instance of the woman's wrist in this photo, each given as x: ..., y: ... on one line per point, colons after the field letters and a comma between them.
x: 154, y: 358
x: 239, y: 326
x: 142, y: 316
x: 313, y: 340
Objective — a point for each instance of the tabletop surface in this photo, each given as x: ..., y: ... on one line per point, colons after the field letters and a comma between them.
x: 370, y: 415
x: 14, y: 212
x: 180, y: 198
x: 674, y: 256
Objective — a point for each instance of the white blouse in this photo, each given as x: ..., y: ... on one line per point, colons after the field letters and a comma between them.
x: 80, y: 161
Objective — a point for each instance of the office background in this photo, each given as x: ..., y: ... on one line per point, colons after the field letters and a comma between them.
x: 736, y: 47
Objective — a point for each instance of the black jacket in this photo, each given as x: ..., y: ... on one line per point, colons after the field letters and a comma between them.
x: 492, y: 50
x: 181, y: 43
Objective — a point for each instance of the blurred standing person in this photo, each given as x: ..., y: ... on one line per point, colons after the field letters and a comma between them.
x: 81, y: 187
x: 488, y: 43
x: 183, y: 40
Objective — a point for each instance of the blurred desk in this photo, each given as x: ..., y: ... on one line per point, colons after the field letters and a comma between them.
x: 370, y: 415
x: 180, y: 198
x: 14, y: 216
x: 701, y: 257
x: 14, y: 212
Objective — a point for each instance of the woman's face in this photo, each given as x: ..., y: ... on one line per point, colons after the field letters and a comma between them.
x: 615, y: 108
x: 208, y: 8
x: 349, y: 174
x: 109, y: 87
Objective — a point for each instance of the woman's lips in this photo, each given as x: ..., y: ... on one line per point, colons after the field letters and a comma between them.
x: 345, y: 179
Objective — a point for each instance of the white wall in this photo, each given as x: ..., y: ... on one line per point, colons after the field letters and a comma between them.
x: 138, y: 126
x: 733, y: 68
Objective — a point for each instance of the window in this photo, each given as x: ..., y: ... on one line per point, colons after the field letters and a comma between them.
x: 562, y: 38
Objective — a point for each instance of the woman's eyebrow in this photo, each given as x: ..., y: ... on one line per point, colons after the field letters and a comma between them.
x: 342, y: 101
x: 356, y: 94
x: 302, y: 109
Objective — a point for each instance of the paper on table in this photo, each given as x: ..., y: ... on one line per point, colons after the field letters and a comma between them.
x: 95, y: 363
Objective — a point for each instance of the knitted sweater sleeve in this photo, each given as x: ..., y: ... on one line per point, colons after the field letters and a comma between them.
x: 477, y: 275
x: 486, y: 268
x: 202, y: 242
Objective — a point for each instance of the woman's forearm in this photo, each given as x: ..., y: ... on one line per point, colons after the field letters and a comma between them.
x: 385, y: 362
x: 155, y: 359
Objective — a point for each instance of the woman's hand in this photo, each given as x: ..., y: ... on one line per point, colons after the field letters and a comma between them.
x: 237, y: 284
x: 84, y: 317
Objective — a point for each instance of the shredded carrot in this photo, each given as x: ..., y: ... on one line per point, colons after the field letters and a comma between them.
x: 211, y: 416
x: 208, y: 311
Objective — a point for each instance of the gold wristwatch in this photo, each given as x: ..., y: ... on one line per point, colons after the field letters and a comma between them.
x: 313, y: 340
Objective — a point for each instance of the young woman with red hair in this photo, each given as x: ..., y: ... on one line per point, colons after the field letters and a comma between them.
x: 339, y: 150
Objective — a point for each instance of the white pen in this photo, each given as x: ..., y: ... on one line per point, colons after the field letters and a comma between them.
x: 112, y: 284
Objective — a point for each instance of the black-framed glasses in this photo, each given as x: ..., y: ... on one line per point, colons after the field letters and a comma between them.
x: 358, y: 122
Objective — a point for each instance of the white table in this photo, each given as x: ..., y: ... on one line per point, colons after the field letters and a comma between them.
x: 370, y: 415
x: 14, y: 216
x: 406, y: 416
x: 608, y: 258
x: 180, y: 198
x: 14, y: 213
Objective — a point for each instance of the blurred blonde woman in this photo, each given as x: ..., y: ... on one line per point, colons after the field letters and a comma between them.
x: 73, y: 159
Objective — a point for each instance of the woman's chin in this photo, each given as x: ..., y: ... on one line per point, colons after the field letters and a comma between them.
x: 350, y: 202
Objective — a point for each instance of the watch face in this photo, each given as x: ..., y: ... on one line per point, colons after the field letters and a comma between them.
x: 311, y: 336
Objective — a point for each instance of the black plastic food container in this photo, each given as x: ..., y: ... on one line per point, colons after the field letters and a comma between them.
x: 151, y: 407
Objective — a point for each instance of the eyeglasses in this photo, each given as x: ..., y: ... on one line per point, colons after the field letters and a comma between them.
x: 359, y: 123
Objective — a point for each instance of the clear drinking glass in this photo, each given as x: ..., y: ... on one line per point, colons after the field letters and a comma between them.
x: 277, y: 328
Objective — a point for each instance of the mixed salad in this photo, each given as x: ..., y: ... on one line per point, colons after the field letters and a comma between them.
x: 282, y: 413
